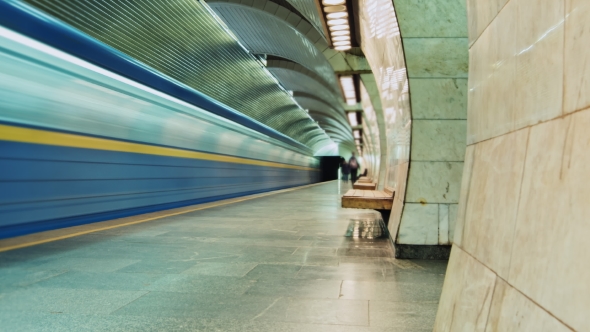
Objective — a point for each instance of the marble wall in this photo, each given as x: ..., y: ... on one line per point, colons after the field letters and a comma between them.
x: 426, y: 198
x: 517, y: 262
x: 434, y: 34
x: 389, y: 88
x: 371, y: 138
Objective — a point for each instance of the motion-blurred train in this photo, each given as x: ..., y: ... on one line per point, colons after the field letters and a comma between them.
x: 89, y: 134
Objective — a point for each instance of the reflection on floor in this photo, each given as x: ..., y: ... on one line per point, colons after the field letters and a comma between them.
x: 278, y: 263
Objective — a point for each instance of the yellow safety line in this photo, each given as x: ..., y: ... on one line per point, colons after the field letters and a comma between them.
x: 36, y: 136
x: 98, y: 229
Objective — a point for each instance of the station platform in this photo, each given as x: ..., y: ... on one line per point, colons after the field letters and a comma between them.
x: 282, y: 261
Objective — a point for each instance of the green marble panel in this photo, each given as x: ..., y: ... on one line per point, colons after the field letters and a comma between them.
x: 437, y: 57
x: 438, y: 140
x: 432, y: 18
x: 434, y: 182
x: 444, y: 98
x: 419, y: 224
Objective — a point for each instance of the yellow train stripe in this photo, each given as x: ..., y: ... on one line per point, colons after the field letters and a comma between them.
x: 69, y: 232
x: 36, y: 136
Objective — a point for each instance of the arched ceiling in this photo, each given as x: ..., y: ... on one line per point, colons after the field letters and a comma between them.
x: 298, y: 82
x: 186, y: 42
x: 310, y: 103
x: 289, y: 34
x: 264, y: 33
x: 309, y: 10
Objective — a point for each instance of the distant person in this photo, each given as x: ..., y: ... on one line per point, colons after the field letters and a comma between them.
x: 365, y: 173
x: 354, y: 166
x: 345, y: 168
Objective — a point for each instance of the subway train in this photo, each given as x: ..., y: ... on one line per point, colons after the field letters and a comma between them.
x: 89, y: 134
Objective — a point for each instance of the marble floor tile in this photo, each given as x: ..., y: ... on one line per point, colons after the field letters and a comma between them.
x: 274, y: 271
x: 221, y: 269
x: 185, y: 283
x: 403, y: 315
x: 87, y: 264
x: 13, y: 278
x: 244, y: 267
x: 66, y: 300
x: 320, y: 311
x: 397, y: 291
x: 69, y: 322
x: 296, y: 288
x: 101, y: 281
x: 162, y: 266
x: 364, y: 252
x: 195, y: 305
x: 345, y: 273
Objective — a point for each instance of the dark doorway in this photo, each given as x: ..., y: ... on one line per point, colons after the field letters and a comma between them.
x: 329, y: 168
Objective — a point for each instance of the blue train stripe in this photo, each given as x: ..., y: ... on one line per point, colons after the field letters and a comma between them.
x: 53, y: 138
x: 45, y: 187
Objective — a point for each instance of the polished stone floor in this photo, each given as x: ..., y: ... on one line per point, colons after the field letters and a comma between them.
x: 277, y: 263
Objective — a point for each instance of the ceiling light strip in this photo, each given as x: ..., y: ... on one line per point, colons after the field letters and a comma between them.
x: 337, y: 23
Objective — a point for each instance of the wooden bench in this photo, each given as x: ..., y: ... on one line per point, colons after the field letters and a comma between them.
x: 364, y: 185
x: 368, y: 199
x: 364, y: 179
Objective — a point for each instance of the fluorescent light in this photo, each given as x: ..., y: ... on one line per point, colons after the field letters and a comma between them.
x: 339, y: 27
x: 337, y: 15
x: 341, y: 38
x: 341, y: 33
x: 342, y: 48
x: 333, y: 2
x: 348, y: 87
x: 338, y: 21
x: 342, y: 43
x: 333, y: 9
x: 352, y: 119
x: 357, y: 134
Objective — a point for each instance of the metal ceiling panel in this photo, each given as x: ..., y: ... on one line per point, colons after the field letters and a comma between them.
x: 319, y: 106
x: 308, y: 9
x: 183, y: 40
x: 264, y: 33
x: 296, y: 81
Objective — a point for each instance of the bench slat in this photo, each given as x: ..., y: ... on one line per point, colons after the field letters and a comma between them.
x: 368, y: 199
x: 365, y: 186
x: 380, y: 194
x: 364, y: 203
